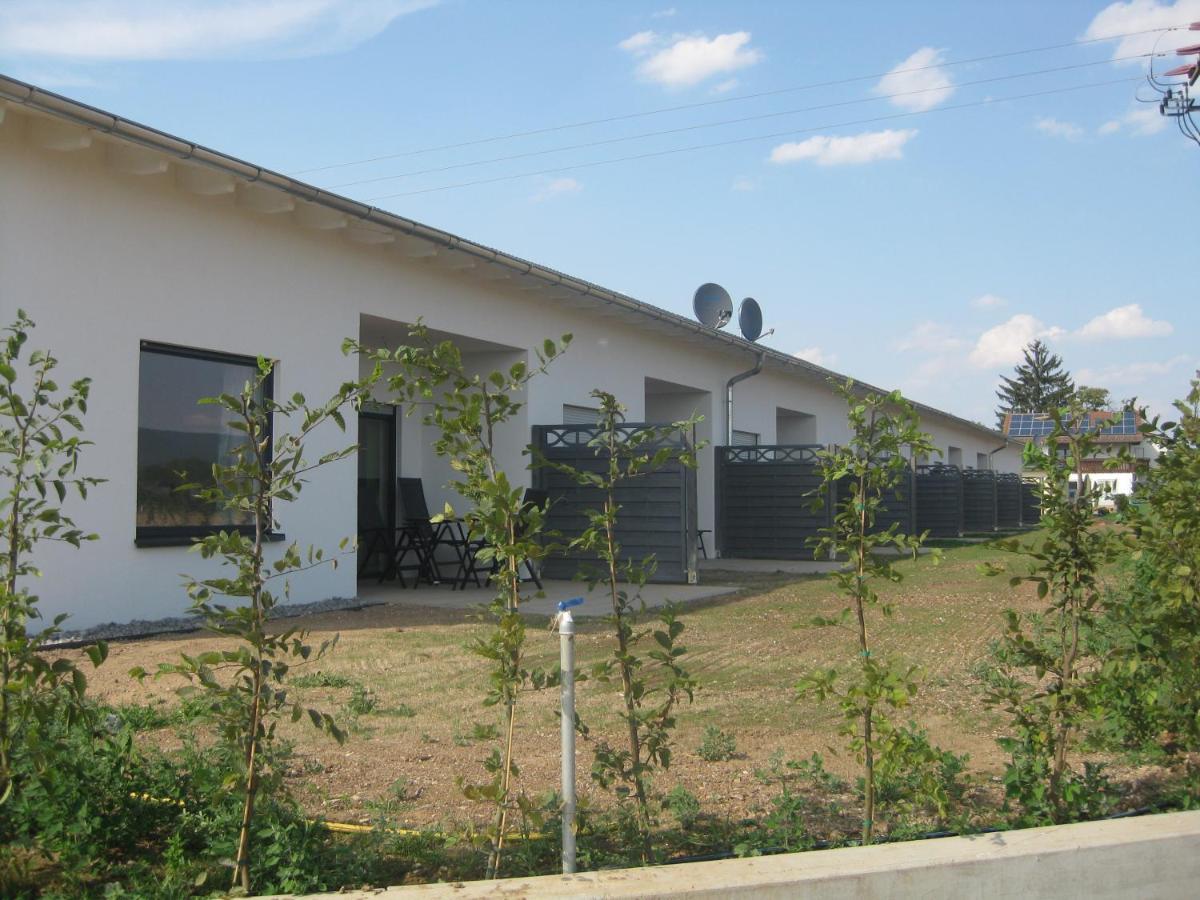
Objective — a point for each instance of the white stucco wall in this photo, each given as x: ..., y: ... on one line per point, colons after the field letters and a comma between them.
x: 102, y: 260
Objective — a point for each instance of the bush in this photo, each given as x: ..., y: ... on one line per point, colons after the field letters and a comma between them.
x: 918, y: 777
x: 716, y: 745
x: 117, y: 821
x: 683, y: 805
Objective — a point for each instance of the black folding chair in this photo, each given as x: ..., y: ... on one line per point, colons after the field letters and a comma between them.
x: 425, y: 535
x: 373, y: 533
x: 470, y: 563
x: 394, y: 546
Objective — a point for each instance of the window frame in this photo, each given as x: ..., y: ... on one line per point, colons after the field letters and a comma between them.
x: 186, y: 535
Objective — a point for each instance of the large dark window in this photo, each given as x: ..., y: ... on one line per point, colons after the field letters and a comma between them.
x: 179, y: 440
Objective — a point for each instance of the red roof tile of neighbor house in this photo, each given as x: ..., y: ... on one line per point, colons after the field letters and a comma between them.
x: 1099, y: 467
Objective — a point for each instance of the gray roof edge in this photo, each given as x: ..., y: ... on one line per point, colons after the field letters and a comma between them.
x: 50, y: 103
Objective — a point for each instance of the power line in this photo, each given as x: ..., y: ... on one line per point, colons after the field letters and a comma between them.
x: 703, y: 125
x: 759, y: 137
x: 735, y: 99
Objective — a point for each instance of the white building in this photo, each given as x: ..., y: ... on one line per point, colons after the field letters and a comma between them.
x: 161, y: 268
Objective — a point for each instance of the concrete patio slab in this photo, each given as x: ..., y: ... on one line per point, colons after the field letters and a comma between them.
x: 595, y: 603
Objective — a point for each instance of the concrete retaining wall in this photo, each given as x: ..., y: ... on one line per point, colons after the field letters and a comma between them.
x: 1150, y: 858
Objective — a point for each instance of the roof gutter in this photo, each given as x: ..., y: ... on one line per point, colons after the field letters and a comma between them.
x: 48, y: 102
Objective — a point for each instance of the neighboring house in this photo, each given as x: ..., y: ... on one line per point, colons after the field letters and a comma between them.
x: 162, y: 269
x: 1115, y: 432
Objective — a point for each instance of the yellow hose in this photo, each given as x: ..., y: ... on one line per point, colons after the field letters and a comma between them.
x: 341, y: 827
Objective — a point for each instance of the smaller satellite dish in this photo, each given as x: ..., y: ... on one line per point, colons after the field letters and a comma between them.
x: 750, y: 319
x: 713, y: 305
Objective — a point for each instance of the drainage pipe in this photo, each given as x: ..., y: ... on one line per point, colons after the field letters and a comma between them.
x: 992, y: 453
x: 749, y: 373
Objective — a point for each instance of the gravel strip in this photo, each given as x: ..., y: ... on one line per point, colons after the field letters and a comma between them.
x: 142, y: 628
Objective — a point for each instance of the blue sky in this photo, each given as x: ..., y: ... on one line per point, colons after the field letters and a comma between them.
x: 919, y: 251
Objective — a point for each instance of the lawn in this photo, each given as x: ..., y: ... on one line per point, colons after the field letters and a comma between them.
x: 409, y: 693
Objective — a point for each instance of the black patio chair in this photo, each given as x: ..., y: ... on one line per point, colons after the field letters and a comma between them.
x: 470, y: 564
x: 425, y: 535
x: 374, y: 535
x: 395, y: 546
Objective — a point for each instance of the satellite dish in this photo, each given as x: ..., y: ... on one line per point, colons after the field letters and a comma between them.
x: 712, y: 305
x: 750, y: 319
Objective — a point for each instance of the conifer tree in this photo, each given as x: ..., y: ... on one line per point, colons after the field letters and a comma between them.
x: 1040, y: 384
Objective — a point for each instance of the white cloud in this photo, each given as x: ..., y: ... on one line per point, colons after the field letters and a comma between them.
x: 989, y: 301
x: 640, y: 42
x: 742, y: 183
x: 838, y: 151
x: 1122, y: 323
x: 686, y: 60
x: 816, y: 356
x: 920, y: 81
x: 192, y: 29
x: 1002, y: 344
x: 725, y: 86
x: 1142, y: 16
x: 558, y: 187
x: 1140, y: 120
x: 1130, y: 373
x: 1056, y: 128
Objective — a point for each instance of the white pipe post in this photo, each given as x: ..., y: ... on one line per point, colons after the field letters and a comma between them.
x: 566, y: 662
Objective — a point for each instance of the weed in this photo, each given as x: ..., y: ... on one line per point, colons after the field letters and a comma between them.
x: 683, y: 805
x: 716, y: 745
x: 363, y: 701
x: 399, y: 711
x: 813, y: 770
x: 321, y: 679
x: 136, y: 717
x: 484, y: 731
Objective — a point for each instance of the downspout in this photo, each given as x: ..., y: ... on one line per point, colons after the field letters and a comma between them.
x: 749, y: 373
x: 992, y: 453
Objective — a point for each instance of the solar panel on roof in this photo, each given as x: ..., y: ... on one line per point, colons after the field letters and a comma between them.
x: 1038, y: 425
x: 1030, y: 425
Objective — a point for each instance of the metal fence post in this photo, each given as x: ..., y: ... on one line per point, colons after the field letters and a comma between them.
x: 566, y: 663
